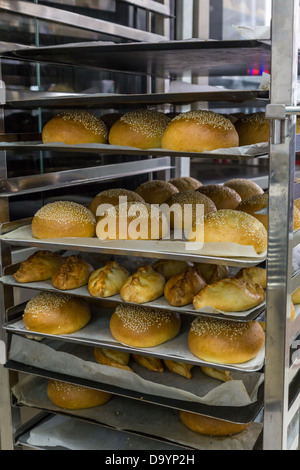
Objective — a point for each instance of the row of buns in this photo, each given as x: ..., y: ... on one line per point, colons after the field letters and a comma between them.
x: 192, y: 131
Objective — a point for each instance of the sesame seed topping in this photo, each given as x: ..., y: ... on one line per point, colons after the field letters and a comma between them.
x: 66, y: 211
x: 139, y: 319
x: 261, y: 199
x: 259, y: 118
x: 202, y: 326
x: 45, y: 302
x: 150, y: 123
x: 90, y: 121
x: 67, y: 387
x: 206, y: 117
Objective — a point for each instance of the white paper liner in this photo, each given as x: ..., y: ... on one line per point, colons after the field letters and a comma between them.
x: 125, y: 414
x: 262, y: 33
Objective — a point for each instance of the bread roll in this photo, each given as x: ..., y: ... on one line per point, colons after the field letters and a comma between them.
x: 230, y: 295
x: 199, y: 131
x: 245, y: 188
x: 107, y: 280
x: 180, y: 368
x: 188, y: 207
x: 210, y: 426
x: 56, y: 314
x: 253, y: 275
x: 150, y: 363
x: 112, y: 358
x: 223, y: 375
x: 75, y: 397
x: 112, y: 196
x: 62, y: 219
x: 156, y: 191
x: 254, y: 204
x: 185, y: 183
x: 169, y: 268
x: 225, y: 342
x: 143, y: 286
x: 143, y: 327
x: 132, y: 221
x: 181, y: 289
x: 222, y: 196
x: 75, y: 127
x: 212, y: 272
x: 232, y: 226
x: 38, y: 267
x: 296, y: 296
x: 142, y: 129
x: 73, y: 273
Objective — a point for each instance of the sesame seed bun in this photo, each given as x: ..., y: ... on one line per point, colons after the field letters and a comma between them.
x: 222, y: 196
x: 75, y: 127
x: 75, y: 397
x: 245, y: 188
x: 225, y: 342
x: 62, y: 219
x: 185, y: 183
x: 156, y: 191
x: 112, y: 196
x: 210, y: 426
x: 199, y: 131
x: 143, y: 327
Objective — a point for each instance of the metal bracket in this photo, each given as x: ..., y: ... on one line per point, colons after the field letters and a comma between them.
x: 276, y: 111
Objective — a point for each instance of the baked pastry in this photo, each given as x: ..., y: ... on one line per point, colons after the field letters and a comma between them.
x: 212, y: 272
x: 112, y: 357
x: 229, y: 295
x: 142, y: 129
x: 180, y: 368
x: 181, y: 289
x: 225, y: 342
x: 199, y: 131
x: 108, y: 280
x: 296, y: 296
x: 62, y: 219
x: 232, y: 226
x: 132, y: 221
x: 222, y: 196
x: 187, y: 207
x: 56, y: 314
x: 38, y: 267
x: 156, y: 191
x: 210, y: 426
x: 169, y: 268
x: 254, y: 204
x: 150, y: 363
x: 75, y: 127
x: 223, y: 375
x: 253, y: 275
x: 185, y: 183
x: 143, y: 327
x: 245, y: 188
x: 113, y: 197
x: 143, y: 286
x: 73, y: 273
x: 75, y: 397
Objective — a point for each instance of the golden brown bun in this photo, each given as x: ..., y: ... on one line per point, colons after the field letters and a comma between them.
x: 73, y: 273
x: 112, y: 196
x: 253, y: 275
x: 210, y: 426
x: 108, y: 280
x: 256, y: 203
x: 156, y: 191
x: 169, y: 268
x: 230, y: 295
x: 181, y: 289
x: 113, y: 358
x: 222, y: 196
x: 38, y: 267
x: 185, y: 218
x: 150, y: 363
x: 56, y: 314
x: 75, y: 127
x: 142, y: 129
x: 143, y: 327
x: 225, y: 342
x: 179, y: 368
x: 143, y: 286
x: 233, y: 226
x: 296, y: 296
x: 199, y: 131
x: 75, y: 397
x: 185, y: 183
x: 110, y: 118
x: 62, y: 219
x: 212, y: 272
x: 223, y: 375
x: 297, y: 202
x: 139, y: 221
x: 245, y: 188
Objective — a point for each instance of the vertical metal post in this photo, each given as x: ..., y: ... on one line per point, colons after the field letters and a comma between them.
x: 282, y: 169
